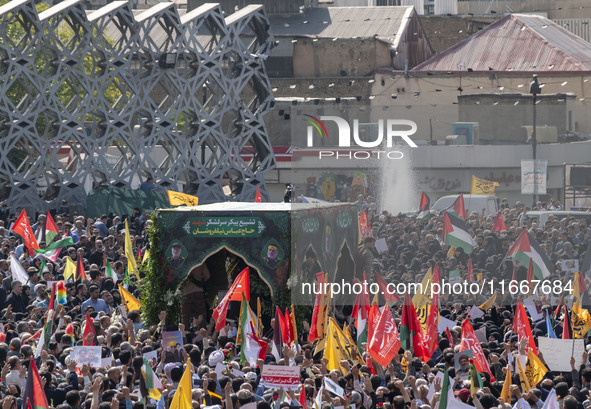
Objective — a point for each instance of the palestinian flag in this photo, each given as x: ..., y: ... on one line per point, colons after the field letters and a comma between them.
x: 524, y: 249
x: 34, y: 397
x: 499, y: 224
x: 455, y: 233
x: 457, y: 208
x: 109, y: 271
x: 444, y: 391
x: 152, y: 381
x: 251, y: 347
x: 424, y: 213
x: 47, y: 232
x: 360, y: 311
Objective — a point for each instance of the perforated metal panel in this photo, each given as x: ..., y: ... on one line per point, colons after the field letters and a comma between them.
x: 109, y: 99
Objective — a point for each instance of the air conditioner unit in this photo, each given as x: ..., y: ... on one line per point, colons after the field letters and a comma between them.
x: 467, y: 129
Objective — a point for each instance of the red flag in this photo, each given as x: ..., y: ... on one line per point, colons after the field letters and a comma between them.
x: 23, y: 228
x: 139, y: 254
x: 52, y: 297
x: 287, y: 329
x: 88, y: 329
x: 241, y: 285
x: 365, y: 294
x: 521, y: 326
x: 432, y: 320
x: 50, y: 226
x: 470, y: 271
x: 373, y: 318
x: 385, y: 343
x: 319, y: 312
x: 80, y: 273
x: 470, y: 341
x: 411, y: 330
x: 499, y: 224
x: 257, y: 197
x: 566, y: 331
x: 34, y: 392
x: 303, y: 401
x: 435, y: 278
x: 458, y: 207
x: 449, y: 338
x: 388, y: 296
x: 582, y: 285
x: 364, y: 227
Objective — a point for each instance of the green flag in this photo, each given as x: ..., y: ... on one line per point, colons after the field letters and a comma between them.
x: 56, y: 245
x: 444, y: 391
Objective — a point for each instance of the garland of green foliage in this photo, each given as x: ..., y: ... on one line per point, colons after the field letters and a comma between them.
x: 155, y: 296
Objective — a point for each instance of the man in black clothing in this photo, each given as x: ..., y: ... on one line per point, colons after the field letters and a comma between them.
x: 15, y: 298
x: 96, y: 257
x: 59, y: 394
x: 80, y: 296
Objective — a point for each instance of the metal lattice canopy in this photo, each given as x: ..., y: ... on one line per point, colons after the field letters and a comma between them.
x: 108, y: 99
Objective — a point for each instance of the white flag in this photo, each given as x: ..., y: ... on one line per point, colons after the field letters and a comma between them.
x: 17, y: 270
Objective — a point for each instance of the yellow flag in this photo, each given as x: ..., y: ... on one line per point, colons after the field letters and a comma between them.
x: 422, y: 300
x: 506, y: 392
x: 534, y: 369
x: 482, y: 187
x: 131, y: 264
x: 293, y: 324
x: 580, y: 321
x: 146, y: 256
x: 178, y: 198
x: 337, y: 347
x: 355, y: 351
x: 451, y: 252
x: 489, y: 303
x: 182, y: 398
x: 70, y: 269
x: 522, y: 377
x: 576, y: 290
x: 129, y: 300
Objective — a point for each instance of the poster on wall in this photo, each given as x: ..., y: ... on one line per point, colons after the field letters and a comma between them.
x: 534, y: 174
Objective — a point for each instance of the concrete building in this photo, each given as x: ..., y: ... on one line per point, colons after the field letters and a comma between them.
x: 453, y: 86
x: 344, y: 42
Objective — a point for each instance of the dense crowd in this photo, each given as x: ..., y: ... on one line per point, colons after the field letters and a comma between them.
x: 413, y: 246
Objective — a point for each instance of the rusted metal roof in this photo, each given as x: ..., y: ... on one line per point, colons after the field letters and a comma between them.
x: 517, y: 42
x: 344, y: 22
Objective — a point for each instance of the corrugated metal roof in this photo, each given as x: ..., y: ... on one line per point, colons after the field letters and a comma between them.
x: 343, y: 22
x: 517, y: 42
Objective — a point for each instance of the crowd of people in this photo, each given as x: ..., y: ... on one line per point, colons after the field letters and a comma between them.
x: 413, y: 247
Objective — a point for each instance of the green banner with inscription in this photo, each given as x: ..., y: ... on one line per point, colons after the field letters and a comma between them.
x: 224, y: 226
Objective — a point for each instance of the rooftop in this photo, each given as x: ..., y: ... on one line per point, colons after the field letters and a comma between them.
x: 344, y: 22
x: 517, y: 42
